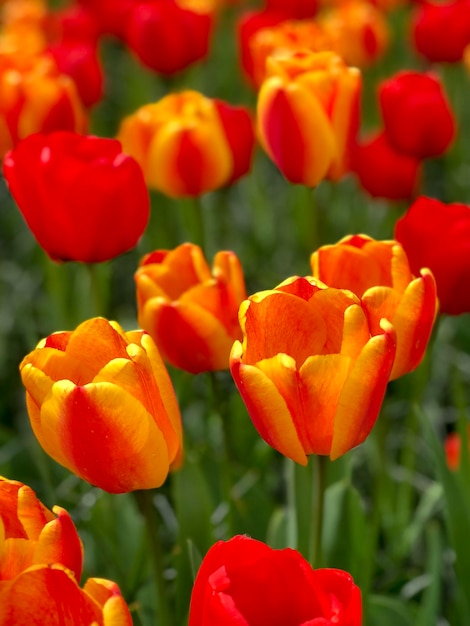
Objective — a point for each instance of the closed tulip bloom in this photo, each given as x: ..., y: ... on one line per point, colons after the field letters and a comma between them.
x: 382, y: 171
x: 188, y: 144
x: 244, y: 581
x: 294, y: 9
x: 359, y: 32
x: 309, y: 370
x: 441, y: 30
x: 190, y: 310
x: 36, y: 97
x: 378, y: 272
x: 435, y: 234
x: 101, y: 403
x: 307, y: 114
x: 40, y: 567
x: 417, y: 117
x: 183, y: 35
x: 83, y: 199
x: 32, y: 535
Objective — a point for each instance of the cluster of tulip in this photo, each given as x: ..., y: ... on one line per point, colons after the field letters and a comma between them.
x: 311, y: 357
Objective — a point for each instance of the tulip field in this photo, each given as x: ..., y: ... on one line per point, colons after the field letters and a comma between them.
x: 234, y: 312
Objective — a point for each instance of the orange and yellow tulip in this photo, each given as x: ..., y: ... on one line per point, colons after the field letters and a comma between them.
x: 40, y: 567
x: 188, y: 144
x: 101, y: 403
x: 190, y: 311
x: 31, y: 535
x: 378, y: 272
x: 307, y: 113
x: 309, y: 370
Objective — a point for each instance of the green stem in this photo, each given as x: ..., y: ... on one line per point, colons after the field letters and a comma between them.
x: 194, y: 223
x: 144, y: 500
x: 219, y: 408
x: 318, y: 499
x: 292, y: 513
x: 306, y: 218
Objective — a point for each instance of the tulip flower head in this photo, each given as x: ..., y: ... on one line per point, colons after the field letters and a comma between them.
x: 40, y: 567
x: 83, y: 199
x: 244, y: 581
x: 190, y: 311
x: 309, y: 370
x: 101, y: 403
x: 379, y: 274
x: 382, y: 171
x: 417, y: 116
x: 188, y: 144
x: 435, y: 234
x: 307, y: 114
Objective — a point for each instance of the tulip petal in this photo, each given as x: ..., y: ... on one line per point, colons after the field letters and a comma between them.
x: 108, y: 595
x: 322, y: 379
x: 356, y: 332
x: 99, y: 442
x: 267, y: 408
x: 361, y: 397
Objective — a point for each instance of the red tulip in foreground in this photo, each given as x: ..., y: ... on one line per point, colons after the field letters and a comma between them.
x: 309, y: 369
x: 83, y: 199
x: 190, y: 311
x: 437, y: 235
x: 416, y: 114
x: 244, y: 582
x: 101, y: 403
x: 41, y: 565
x: 378, y: 272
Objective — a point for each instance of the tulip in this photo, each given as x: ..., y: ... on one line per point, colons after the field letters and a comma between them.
x: 287, y: 35
x: 309, y: 370
x: 32, y: 535
x: 183, y: 35
x: 417, y: 116
x: 83, y: 199
x: 382, y: 171
x: 441, y: 30
x: 101, y: 403
x: 244, y: 581
x: 35, y: 97
x: 41, y: 559
x: 49, y: 594
x: 188, y: 144
x: 435, y: 234
x: 111, y: 16
x: 308, y: 114
x: 379, y: 274
x: 294, y: 9
x: 191, y: 312
x: 358, y: 32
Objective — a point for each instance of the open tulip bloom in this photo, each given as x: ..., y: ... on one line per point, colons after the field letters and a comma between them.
x: 309, y: 369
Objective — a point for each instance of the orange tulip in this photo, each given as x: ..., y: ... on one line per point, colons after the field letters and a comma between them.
x: 101, y: 403
x: 188, y: 144
x: 40, y: 567
x: 378, y: 272
x: 307, y: 114
x: 35, y: 97
x: 30, y: 534
x: 308, y: 369
x: 191, y: 312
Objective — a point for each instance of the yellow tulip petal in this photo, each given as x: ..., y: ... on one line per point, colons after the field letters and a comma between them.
x: 356, y: 331
x: 267, y: 408
x: 322, y: 378
x: 361, y: 397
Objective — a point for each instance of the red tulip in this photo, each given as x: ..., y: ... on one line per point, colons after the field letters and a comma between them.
x: 441, y: 30
x: 294, y: 9
x: 437, y: 235
x: 183, y: 35
x: 245, y: 582
x: 383, y: 172
x: 417, y: 117
x: 83, y: 199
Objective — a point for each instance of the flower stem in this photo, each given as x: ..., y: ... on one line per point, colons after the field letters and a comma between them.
x: 144, y: 500
x: 318, y: 498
